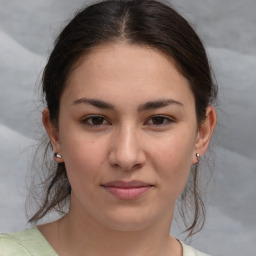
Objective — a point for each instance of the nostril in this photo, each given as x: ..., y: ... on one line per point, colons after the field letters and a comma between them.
x: 126, y: 152
x: 127, y: 167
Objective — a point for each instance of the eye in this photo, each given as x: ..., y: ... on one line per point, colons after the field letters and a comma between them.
x: 159, y: 120
x: 95, y: 121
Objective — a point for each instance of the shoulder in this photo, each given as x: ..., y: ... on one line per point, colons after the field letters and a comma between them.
x: 9, y: 246
x: 190, y: 251
x: 26, y: 243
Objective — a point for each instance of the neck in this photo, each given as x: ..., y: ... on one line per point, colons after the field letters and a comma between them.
x: 85, y: 236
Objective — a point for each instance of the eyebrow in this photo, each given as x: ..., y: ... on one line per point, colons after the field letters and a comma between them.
x: 158, y: 104
x: 143, y: 107
x: 95, y: 102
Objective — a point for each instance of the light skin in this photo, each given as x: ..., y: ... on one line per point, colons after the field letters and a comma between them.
x: 143, y: 128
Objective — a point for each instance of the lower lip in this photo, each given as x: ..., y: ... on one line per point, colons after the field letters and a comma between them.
x: 128, y: 193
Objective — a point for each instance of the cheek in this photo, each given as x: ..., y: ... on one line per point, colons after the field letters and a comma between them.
x: 172, y: 161
x: 83, y: 156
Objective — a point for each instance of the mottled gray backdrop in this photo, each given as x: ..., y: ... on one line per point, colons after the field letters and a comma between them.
x: 228, y: 28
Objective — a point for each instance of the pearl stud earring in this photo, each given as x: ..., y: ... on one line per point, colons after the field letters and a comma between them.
x: 198, y: 157
x: 57, y: 155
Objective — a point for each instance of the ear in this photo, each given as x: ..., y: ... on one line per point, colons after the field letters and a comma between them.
x: 52, y: 133
x: 204, y: 133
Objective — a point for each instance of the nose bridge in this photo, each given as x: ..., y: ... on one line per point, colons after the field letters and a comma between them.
x: 127, y: 151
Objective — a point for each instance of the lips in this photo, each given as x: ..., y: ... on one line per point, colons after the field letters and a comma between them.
x: 127, y: 190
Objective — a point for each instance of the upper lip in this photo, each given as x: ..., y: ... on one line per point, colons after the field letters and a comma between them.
x: 126, y: 184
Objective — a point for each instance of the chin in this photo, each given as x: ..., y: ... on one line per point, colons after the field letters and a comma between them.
x: 127, y: 226
x: 128, y: 221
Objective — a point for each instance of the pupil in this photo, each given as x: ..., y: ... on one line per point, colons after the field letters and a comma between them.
x: 97, y: 120
x: 158, y: 120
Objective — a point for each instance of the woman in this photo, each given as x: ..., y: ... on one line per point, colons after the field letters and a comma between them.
x: 129, y: 113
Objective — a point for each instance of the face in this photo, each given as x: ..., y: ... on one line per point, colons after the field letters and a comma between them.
x: 128, y: 135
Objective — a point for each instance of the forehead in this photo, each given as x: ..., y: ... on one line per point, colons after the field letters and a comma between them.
x: 118, y: 70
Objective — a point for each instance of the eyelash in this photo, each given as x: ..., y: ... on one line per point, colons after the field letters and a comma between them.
x: 85, y: 120
x: 166, y: 120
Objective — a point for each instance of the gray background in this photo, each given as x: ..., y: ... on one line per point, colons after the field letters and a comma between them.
x: 27, y: 29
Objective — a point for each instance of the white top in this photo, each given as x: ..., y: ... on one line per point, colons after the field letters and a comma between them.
x: 31, y: 242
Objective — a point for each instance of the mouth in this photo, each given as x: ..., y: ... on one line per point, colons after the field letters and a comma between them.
x: 127, y: 190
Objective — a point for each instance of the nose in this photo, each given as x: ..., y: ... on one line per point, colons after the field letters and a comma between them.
x: 126, y: 150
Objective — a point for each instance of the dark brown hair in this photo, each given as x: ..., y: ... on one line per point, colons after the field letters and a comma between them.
x: 144, y: 22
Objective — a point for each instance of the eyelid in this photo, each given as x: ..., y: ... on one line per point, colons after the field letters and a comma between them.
x: 168, y: 118
x: 88, y: 117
